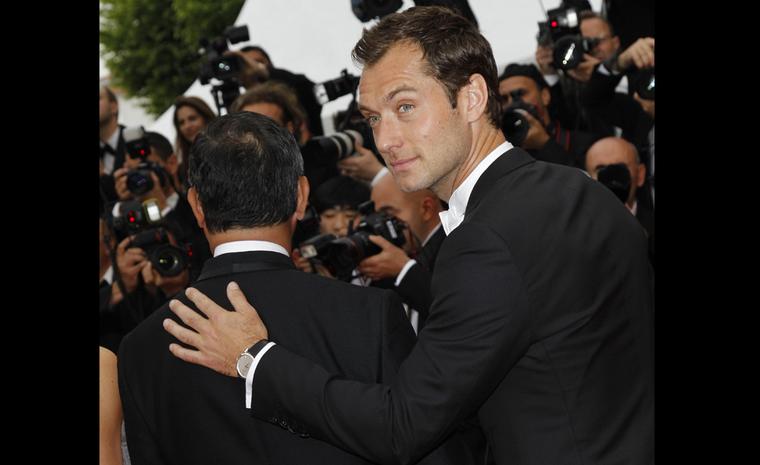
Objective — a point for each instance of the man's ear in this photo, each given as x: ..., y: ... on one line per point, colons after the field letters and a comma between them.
x: 641, y: 175
x: 302, y: 200
x: 474, y: 97
x: 195, y: 205
x: 428, y: 208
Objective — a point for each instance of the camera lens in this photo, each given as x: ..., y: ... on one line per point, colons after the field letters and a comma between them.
x: 568, y: 52
x: 340, y: 144
x: 139, y: 182
x: 168, y: 260
x: 617, y: 178
x: 514, y: 126
x: 645, y: 87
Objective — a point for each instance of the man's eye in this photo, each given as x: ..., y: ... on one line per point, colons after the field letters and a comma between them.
x: 372, y: 120
x: 406, y: 108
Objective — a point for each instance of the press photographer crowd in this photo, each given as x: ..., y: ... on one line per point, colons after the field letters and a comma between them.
x: 585, y: 101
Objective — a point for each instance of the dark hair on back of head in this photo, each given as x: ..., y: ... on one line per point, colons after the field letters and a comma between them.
x: 452, y: 47
x: 160, y: 145
x: 245, y: 169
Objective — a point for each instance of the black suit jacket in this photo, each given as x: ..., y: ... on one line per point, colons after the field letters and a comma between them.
x: 180, y: 413
x: 415, y: 287
x: 542, y: 322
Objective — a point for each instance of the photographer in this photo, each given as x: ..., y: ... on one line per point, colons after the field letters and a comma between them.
x: 524, y: 90
x: 628, y: 186
x: 619, y: 96
x: 411, y: 276
x: 137, y: 273
x: 257, y: 68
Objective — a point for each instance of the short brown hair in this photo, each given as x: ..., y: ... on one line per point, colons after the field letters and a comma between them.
x: 451, y: 45
x: 278, y: 94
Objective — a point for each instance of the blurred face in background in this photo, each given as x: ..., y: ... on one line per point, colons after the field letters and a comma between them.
x: 190, y: 122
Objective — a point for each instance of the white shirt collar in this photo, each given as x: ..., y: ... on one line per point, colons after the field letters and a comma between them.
x: 171, y: 204
x: 249, y: 246
x: 454, y: 216
x: 633, y: 208
x: 108, y: 275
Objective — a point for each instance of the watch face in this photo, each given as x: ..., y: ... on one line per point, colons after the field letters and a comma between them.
x: 244, y: 364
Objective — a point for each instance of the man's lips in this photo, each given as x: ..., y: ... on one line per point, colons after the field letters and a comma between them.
x: 402, y: 164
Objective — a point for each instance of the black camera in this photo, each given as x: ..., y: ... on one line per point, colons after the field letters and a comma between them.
x: 139, y: 181
x: 215, y: 64
x: 167, y: 260
x: 342, y: 255
x: 224, y: 68
x: 330, y: 90
x: 136, y: 143
x: 514, y: 124
x: 366, y: 10
x: 645, y: 84
x: 562, y: 32
x: 617, y: 178
x: 560, y: 22
x: 568, y: 51
x: 134, y: 217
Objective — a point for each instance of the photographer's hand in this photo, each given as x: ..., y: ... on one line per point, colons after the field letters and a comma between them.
x: 120, y: 183
x: 362, y: 167
x: 640, y: 54
x: 537, y: 136
x: 130, y: 262
x: 386, y: 264
x: 584, y: 70
x: 219, y: 338
x: 544, y: 59
x: 646, y: 105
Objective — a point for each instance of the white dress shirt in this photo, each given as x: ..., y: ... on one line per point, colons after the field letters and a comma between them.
x: 454, y: 216
x: 109, y: 158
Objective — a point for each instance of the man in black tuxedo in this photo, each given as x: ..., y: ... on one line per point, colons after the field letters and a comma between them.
x: 112, y: 147
x: 541, y: 323
x: 247, y: 191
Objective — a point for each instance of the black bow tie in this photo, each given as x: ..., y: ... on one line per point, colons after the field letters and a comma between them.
x: 106, y: 149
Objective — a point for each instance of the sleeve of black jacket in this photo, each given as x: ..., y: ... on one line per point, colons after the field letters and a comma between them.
x: 478, y: 328
x: 415, y: 290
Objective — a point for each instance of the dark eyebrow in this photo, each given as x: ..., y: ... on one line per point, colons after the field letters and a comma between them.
x: 403, y: 88
x: 389, y: 97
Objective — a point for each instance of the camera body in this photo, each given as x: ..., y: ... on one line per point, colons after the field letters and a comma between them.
x: 135, y: 217
x: 514, y: 124
x: 136, y: 143
x: 167, y: 260
x: 560, y: 22
x: 342, y: 255
x: 139, y: 181
x: 617, y: 178
x: 562, y: 32
x: 644, y: 84
x: 330, y: 90
x: 215, y: 64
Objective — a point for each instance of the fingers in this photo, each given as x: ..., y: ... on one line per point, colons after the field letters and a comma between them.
x: 238, y: 300
x: 192, y: 356
x: 380, y: 241
x: 184, y: 335
x: 188, y: 316
x: 207, y: 306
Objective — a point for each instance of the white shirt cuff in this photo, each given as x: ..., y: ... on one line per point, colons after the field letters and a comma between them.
x: 403, y: 271
x: 383, y: 171
x: 252, y: 371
